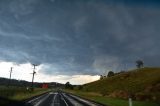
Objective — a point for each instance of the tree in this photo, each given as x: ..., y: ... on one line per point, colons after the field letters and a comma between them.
x: 68, y: 85
x: 102, y: 77
x: 110, y: 73
x: 139, y: 63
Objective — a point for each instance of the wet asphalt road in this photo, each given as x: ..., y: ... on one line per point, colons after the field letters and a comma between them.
x: 59, y: 99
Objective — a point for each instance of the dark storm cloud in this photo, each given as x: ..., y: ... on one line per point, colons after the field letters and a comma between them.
x: 80, y: 37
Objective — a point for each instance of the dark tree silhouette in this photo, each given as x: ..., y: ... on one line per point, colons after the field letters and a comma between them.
x: 139, y: 63
x: 110, y: 73
x: 68, y: 85
x: 101, y: 77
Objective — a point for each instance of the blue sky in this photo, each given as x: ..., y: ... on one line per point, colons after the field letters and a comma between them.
x: 80, y: 37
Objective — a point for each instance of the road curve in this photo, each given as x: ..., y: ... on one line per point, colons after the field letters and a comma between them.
x: 59, y: 99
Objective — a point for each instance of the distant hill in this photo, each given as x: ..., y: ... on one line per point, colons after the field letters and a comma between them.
x: 141, y: 84
x: 22, y: 83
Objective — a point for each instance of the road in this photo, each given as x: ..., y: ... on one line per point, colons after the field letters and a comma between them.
x: 59, y: 99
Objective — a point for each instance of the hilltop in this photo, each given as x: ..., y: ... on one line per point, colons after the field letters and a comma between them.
x: 141, y: 84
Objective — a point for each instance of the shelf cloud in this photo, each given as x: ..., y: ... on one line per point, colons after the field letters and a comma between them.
x: 79, y: 37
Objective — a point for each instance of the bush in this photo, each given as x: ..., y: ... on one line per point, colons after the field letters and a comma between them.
x: 80, y: 87
x: 110, y: 73
x: 68, y: 86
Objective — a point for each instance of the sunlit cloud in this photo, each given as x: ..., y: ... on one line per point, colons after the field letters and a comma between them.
x: 24, y: 72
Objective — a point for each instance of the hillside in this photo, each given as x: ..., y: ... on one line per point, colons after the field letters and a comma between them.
x: 141, y: 84
x: 23, y: 83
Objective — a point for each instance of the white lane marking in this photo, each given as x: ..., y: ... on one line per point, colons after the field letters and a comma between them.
x: 42, y: 100
x: 53, y: 102
x: 51, y: 93
x: 54, y: 98
x: 83, y: 100
x: 36, y: 98
x: 64, y: 100
x: 74, y: 102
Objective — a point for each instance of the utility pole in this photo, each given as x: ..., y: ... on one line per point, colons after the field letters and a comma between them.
x: 34, y: 68
x: 10, y: 75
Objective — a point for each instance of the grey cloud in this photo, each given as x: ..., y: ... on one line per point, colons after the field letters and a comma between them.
x: 19, y: 7
x: 79, y: 37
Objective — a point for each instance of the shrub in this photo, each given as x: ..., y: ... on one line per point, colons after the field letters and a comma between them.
x: 110, y: 73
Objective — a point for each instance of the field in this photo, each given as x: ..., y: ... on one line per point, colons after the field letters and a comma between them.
x: 9, y: 94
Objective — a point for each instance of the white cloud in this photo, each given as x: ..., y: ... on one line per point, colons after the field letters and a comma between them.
x: 20, y: 72
x: 82, y: 79
x: 23, y: 72
x: 5, y: 68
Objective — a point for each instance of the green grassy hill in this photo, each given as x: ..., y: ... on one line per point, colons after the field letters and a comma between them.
x: 142, y: 84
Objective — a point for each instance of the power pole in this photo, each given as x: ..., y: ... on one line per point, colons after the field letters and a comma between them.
x: 10, y: 76
x: 11, y: 73
x: 34, y: 68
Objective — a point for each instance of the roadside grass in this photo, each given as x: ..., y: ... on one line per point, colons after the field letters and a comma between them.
x: 133, y: 81
x: 20, y: 93
x: 110, y: 101
x: 26, y: 95
x: 120, y: 102
x: 143, y: 84
x: 12, y: 95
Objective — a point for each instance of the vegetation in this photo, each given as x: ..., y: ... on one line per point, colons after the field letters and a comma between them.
x: 139, y: 63
x: 19, y: 93
x: 102, y: 77
x: 68, y: 85
x: 22, y: 83
x: 15, y: 91
x: 110, y: 101
x: 14, y: 95
x: 142, y: 84
x: 110, y: 73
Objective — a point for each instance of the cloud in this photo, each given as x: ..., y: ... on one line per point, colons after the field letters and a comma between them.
x: 106, y: 64
x: 79, y: 38
x: 19, y: 7
x: 20, y: 72
x: 23, y: 72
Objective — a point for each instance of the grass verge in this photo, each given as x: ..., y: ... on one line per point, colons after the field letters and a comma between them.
x: 18, y: 94
x: 110, y: 101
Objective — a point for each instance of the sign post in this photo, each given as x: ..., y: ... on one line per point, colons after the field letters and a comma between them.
x: 130, y: 101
